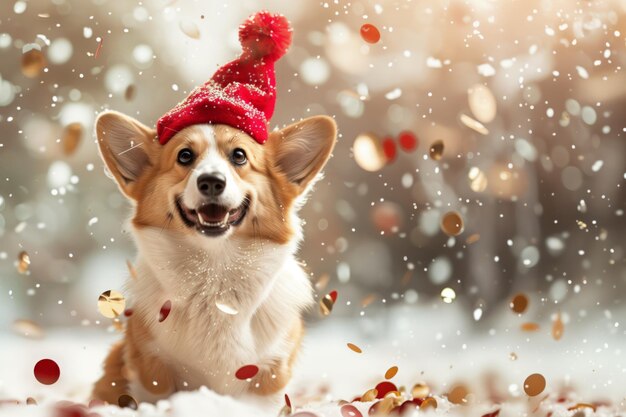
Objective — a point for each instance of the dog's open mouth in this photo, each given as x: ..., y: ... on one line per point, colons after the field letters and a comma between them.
x: 212, y: 219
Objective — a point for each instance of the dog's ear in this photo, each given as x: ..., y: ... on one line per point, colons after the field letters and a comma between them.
x: 126, y: 146
x: 302, y: 149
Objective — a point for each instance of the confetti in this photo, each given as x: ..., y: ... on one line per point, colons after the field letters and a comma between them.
x: 33, y: 62
x: 578, y: 406
x: 247, y: 372
x: 348, y: 410
x: 457, y: 395
x: 389, y: 149
x: 529, y: 327
x: 474, y: 124
x: 519, y: 303
x: 72, y: 133
x: 482, y: 103
x: 23, y: 262
x: 190, y: 29
x: 327, y: 302
x: 407, y: 141
x: 384, y: 388
x: 322, y: 282
x: 130, y: 92
x: 477, y: 180
x: 354, y: 348
x: 382, y: 407
x: 534, y: 385
x: 513, y: 356
x: 436, y: 150
x: 429, y: 402
x: 47, y: 371
x: 557, y: 327
x: 420, y: 390
x: 165, y: 310
x: 28, y: 328
x: 452, y: 223
x: 368, y: 152
x: 225, y: 308
x: 368, y: 299
x: 448, y: 295
x: 391, y: 372
x: 126, y: 401
x: 492, y: 414
x: 369, y: 395
x: 370, y: 33
x: 31, y: 401
x: 97, y: 54
x: 111, y: 304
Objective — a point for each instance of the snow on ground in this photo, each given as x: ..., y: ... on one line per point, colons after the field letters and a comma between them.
x: 431, y: 343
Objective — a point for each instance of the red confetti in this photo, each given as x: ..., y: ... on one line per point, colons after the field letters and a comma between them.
x: 407, y: 141
x: 333, y: 295
x: 384, y: 388
x: 370, y: 33
x: 410, y: 405
x: 47, y: 371
x: 287, y: 401
x: 389, y: 149
x: 129, y: 312
x: 165, y: 310
x: 492, y: 414
x: 349, y: 410
x: 247, y: 372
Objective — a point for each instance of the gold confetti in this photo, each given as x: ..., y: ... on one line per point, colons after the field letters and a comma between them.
x: 368, y: 300
x: 529, y: 327
x: 474, y: 124
x: 436, y: 150
x: 519, y: 303
x: 473, y: 238
x: 354, y: 348
x: 31, y: 401
x: 72, y: 133
x: 452, y: 223
x: 327, y: 302
x: 369, y: 395
x: 581, y: 224
x: 28, y: 328
x: 513, y: 356
x: 368, y: 152
x: 420, y: 390
x: 557, y: 327
x: 534, y: 385
x: 23, y: 262
x: 225, y: 308
x: 111, y: 304
x: 582, y: 405
x: 429, y: 402
x: 33, y: 63
x: 457, y: 395
x: 383, y: 407
x: 391, y: 372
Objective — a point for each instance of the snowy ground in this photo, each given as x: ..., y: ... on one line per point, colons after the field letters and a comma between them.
x: 428, y: 344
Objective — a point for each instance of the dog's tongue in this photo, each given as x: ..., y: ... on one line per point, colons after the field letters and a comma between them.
x: 213, y: 213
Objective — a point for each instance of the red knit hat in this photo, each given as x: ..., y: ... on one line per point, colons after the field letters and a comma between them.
x: 242, y: 93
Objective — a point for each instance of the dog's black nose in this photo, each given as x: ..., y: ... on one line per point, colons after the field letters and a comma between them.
x: 211, y: 185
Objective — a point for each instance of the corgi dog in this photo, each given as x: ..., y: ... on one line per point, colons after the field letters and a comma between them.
x: 216, y: 227
x: 218, y: 295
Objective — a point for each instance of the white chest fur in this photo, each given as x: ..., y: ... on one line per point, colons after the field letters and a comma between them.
x: 260, y: 281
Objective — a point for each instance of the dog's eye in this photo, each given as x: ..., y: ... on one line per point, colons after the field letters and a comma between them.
x: 185, y: 156
x: 239, y: 157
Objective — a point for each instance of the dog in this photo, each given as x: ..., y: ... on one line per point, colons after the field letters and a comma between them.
x: 217, y: 285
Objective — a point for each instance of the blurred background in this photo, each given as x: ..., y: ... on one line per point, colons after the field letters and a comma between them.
x: 481, y: 151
